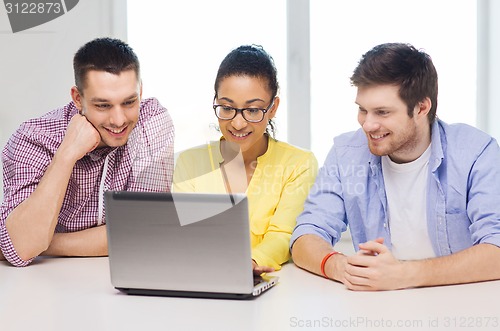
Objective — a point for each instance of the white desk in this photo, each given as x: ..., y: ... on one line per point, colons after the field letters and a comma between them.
x: 76, y: 294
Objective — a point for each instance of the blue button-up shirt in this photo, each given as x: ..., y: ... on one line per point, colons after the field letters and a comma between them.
x: 463, y: 191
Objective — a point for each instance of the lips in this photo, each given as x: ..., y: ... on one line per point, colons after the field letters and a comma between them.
x: 378, y: 136
x: 117, y: 132
x: 240, y: 135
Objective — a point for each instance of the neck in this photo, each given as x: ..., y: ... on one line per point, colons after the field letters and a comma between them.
x: 259, y: 149
x: 416, y: 148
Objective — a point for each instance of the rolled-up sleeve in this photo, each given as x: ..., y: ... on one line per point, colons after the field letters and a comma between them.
x: 273, y: 249
x: 24, y: 162
x: 483, y: 207
x: 324, y: 211
x: 8, y: 249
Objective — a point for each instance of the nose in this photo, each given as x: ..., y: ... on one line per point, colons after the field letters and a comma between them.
x: 238, y: 122
x: 117, y: 117
x: 368, y: 122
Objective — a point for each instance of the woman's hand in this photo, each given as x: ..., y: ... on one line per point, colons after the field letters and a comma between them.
x: 257, y: 269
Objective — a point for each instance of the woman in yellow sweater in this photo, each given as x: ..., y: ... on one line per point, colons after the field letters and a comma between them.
x: 275, y: 176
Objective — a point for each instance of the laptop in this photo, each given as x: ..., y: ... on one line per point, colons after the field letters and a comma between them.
x: 181, y: 244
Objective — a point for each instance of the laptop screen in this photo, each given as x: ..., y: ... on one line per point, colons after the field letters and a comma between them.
x: 194, y: 242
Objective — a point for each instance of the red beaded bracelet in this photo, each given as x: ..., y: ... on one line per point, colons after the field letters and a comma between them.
x: 323, y: 262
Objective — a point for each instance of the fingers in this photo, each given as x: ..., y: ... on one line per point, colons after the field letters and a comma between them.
x: 361, y: 277
x: 267, y: 269
x: 366, y: 253
x: 373, y: 268
x: 262, y: 269
x: 81, y: 136
x: 357, y: 287
x: 258, y: 270
x: 374, y: 246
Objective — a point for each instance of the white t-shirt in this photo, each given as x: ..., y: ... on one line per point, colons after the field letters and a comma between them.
x: 406, y: 191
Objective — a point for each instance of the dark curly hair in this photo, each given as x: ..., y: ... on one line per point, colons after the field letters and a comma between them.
x: 252, y: 61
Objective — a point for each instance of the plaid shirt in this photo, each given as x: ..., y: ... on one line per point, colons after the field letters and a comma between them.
x: 145, y: 163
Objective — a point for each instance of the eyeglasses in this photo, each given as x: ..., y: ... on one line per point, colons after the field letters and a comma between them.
x: 253, y: 115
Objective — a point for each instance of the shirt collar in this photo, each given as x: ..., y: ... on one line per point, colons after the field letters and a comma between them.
x: 100, y: 153
x: 436, y: 150
x: 437, y: 144
x: 220, y: 159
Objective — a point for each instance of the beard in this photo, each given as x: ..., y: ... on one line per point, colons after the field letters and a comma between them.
x: 404, y: 141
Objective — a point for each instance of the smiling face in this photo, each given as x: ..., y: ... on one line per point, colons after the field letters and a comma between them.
x: 387, y: 125
x: 246, y: 92
x: 111, y: 103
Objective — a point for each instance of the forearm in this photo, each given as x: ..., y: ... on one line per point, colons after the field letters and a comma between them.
x: 89, y: 242
x: 478, y: 263
x: 273, y: 250
x: 291, y: 204
x: 31, y: 224
x: 308, y: 252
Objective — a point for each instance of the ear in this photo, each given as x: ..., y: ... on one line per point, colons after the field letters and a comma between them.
x: 274, y: 108
x: 423, y: 107
x: 140, y: 90
x: 77, y: 98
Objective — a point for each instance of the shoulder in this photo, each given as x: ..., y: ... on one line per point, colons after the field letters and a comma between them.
x: 200, y: 155
x: 54, y: 120
x: 284, y: 151
x: 351, y: 147
x: 460, y: 136
x: 37, y: 139
x: 151, y: 107
x: 155, y: 119
x: 197, y: 161
x: 48, y: 128
x: 461, y: 132
x: 352, y: 139
x: 199, y: 151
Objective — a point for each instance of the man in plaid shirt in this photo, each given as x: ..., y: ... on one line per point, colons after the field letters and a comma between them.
x: 57, y: 167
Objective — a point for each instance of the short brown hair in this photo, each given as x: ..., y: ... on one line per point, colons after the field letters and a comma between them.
x: 404, y: 66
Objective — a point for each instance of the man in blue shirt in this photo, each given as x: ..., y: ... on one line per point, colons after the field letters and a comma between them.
x: 421, y: 197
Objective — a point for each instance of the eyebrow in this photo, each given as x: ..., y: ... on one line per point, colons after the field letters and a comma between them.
x: 374, y: 109
x: 246, y: 102
x: 106, y: 100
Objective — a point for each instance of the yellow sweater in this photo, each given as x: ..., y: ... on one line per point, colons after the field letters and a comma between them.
x: 276, y: 192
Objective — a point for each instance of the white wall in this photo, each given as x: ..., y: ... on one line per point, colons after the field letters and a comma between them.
x: 36, y: 65
x: 36, y: 68
x: 180, y: 66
